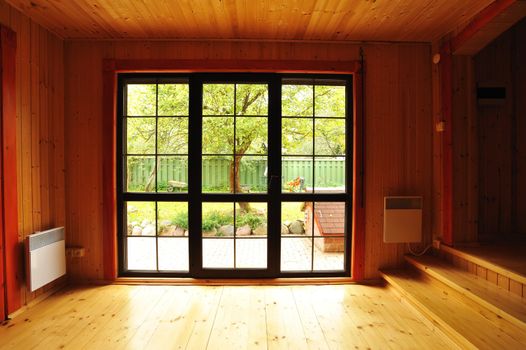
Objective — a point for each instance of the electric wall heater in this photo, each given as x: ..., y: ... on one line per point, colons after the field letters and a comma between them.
x: 402, y: 219
x: 46, y: 257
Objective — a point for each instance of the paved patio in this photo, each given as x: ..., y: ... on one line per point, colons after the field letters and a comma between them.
x: 219, y: 253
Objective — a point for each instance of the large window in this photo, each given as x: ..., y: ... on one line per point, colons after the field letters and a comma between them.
x: 234, y: 175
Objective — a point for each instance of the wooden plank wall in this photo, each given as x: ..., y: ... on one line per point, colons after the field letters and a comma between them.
x: 502, y: 137
x: 40, y: 128
x: 398, y: 123
x: 465, y: 151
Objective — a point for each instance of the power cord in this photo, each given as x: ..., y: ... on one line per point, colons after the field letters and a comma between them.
x: 421, y: 253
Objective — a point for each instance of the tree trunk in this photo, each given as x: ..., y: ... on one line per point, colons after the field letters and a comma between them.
x: 235, y: 185
x: 151, y: 179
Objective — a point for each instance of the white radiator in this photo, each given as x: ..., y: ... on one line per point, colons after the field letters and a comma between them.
x: 46, y: 257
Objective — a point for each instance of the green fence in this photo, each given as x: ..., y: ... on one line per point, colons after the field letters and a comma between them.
x: 328, y: 172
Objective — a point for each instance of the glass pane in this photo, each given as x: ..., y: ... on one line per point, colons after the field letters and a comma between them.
x: 218, y: 99
x: 141, y: 218
x: 140, y: 174
x: 251, y: 135
x: 330, y: 101
x: 251, y: 219
x: 329, y: 253
x: 296, y: 100
x: 172, y: 219
x: 141, y: 253
x: 251, y: 253
x: 329, y: 218
x: 172, y: 136
x: 253, y: 174
x: 217, y: 220
x: 294, y: 219
x: 296, y: 254
x: 216, y: 174
x: 330, y: 137
x: 172, y: 174
x: 218, y: 253
x: 141, y: 100
x: 173, y: 99
x: 173, y: 254
x: 140, y: 135
x: 329, y: 174
x: 296, y: 136
x: 251, y: 99
x: 218, y: 135
x: 296, y: 174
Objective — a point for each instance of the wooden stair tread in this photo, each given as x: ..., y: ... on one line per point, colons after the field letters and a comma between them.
x: 493, y: 266
x: 501, y: 301
x: 470, y: 326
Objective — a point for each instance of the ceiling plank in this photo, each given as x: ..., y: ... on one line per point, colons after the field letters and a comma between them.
x: 298, y: 20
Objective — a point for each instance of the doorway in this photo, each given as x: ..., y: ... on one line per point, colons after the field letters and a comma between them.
x: 234, y: 175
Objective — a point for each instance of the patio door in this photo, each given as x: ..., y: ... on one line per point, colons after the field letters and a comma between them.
x: 233, y: 175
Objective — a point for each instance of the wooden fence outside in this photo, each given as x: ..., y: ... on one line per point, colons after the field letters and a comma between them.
x: 329, y: 172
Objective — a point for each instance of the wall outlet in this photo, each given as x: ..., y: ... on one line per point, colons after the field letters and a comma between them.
x: 75, y: 252
x: 436, y: 244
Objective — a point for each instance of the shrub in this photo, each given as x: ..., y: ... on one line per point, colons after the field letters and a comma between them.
x: 214, y: 220
x: 181, y: 220
x: 251, y: 220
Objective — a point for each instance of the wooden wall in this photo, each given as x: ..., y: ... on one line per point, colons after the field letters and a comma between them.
x: 398, y: 123
x: 502, y: 137
x: 40, y: 127
x: 465, y: 150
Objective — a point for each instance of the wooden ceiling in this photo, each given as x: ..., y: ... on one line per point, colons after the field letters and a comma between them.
x: 327, y: 20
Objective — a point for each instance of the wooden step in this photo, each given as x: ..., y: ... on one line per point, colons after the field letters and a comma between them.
x: 501, y: 301
x: 470, y: 325
x: 467, y: 254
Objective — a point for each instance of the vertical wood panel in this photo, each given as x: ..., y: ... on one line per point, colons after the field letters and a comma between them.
x: 519, y: 72
x: 502, y: 145
x: 465, y: 155
x: 394, y: 72
x: 10, y: 252
x: 39, y: 119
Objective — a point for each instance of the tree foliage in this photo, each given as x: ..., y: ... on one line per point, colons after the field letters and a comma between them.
x: 235, y: 118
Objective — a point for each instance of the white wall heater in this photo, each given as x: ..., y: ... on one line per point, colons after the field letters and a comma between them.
x: 402, y: 219
x: 45, y: 257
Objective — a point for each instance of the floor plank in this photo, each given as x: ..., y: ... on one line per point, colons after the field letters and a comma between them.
x: 221, y: 317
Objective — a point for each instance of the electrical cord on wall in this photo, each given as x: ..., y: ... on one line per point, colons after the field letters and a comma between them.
x: 420, y: 253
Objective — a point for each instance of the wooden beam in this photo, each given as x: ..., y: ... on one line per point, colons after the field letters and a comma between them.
x: 481, y: 20
x: 447, y: 143
x: 109, y: 193
x: 358, y: 204
x: 251, y: 66
x: 13, y: 272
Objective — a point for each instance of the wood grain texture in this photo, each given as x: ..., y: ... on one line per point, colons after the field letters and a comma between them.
x: 256, y: 317
x: 465, y: 155
x: 11, y: 253
x: 39, y: 129
x: 412, y: 20
x: 501, y: 134
x: 398, y: 129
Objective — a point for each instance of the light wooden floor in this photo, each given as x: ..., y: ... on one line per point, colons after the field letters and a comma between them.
x: 226, y: 317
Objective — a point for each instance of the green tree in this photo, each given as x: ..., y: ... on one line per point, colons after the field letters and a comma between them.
x: 234, y: 122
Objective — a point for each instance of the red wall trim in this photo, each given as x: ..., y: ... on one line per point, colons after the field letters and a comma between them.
x: 358, y: 229
x: 109, y: 171
x: 275, y: 66
x: 479, y: 22
x: 9, y: 209
x: 112, y: 67
x: 447, y: 143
